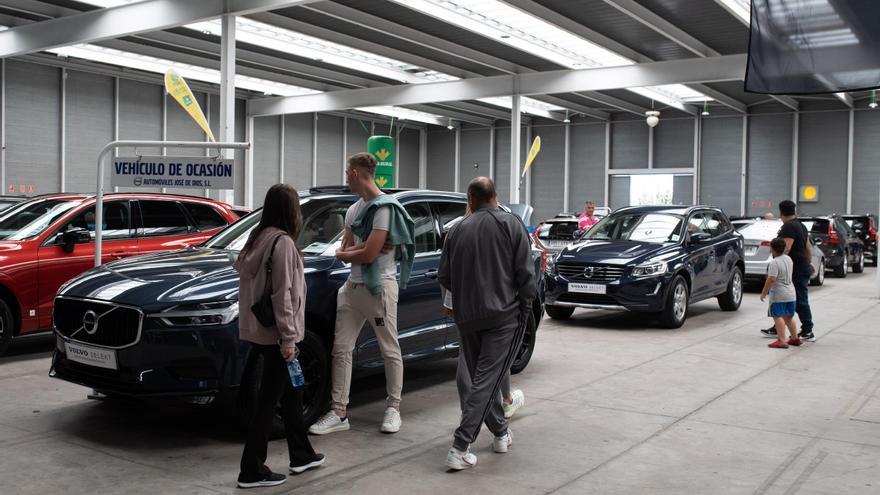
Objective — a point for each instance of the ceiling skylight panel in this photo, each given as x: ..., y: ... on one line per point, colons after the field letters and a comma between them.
x: 520, y: 30
x: 193, y: 72
x: 287, y: 41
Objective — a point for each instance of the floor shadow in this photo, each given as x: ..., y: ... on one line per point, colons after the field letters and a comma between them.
x: 25, y: 348
x: 626, y: 320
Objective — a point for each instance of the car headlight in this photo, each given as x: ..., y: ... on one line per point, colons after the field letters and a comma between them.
x: 551, y: 262
x: 200, y: 314
x: 649, y: 269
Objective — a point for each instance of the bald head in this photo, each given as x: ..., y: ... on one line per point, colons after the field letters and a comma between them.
x: 481, y: 191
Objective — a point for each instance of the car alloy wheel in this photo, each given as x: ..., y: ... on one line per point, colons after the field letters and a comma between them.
x: 821, y: 278
x: 737, y: 287
x: 679, y: 301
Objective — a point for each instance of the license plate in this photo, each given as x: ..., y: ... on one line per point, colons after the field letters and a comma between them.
x: 93, y: 356
x: 750, y: 251
x: 557, y: 244
x: 587, y: 288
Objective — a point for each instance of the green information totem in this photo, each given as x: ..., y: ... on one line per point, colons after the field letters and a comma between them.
x: 382, y: 148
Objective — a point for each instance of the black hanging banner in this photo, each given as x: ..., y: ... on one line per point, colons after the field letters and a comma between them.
x: 813, y: 46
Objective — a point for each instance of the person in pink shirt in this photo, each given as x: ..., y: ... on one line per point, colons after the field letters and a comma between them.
x: 587, y: 220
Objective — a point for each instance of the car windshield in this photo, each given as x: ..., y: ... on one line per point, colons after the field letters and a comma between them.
x: 856, y: 223
x: 31, y: 218
x: 761, y: 230
x: 643, y: 227
x: 323, y: 225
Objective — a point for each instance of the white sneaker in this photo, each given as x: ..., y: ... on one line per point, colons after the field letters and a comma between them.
x: 329, y: 423
x: 502, y: 444
x: 459, y: 460
x: 392, y: 421
x: 518, y: 399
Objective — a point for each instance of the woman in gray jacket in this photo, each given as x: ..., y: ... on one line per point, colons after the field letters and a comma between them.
x: 274, y: 346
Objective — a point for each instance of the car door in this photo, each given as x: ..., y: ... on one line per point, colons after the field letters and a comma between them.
x: 56, y: 266
x: 449, y: 213
x: 725, y: 247
x: 164, y: 226
x: 421, y: 325
x: 701, y: 257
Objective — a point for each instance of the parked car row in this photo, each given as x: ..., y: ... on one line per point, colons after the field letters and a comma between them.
x: 659, y: 260
x: 166, y: 324
x: 841, y: 243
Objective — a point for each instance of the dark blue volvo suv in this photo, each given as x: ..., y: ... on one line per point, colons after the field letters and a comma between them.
x: 166, y: 324
x: 653, y: 259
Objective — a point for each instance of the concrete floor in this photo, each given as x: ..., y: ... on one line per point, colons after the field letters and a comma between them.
x: 613, y: 406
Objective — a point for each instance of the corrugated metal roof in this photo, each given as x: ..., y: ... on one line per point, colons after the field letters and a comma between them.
x: 614, y: 24
x: 708, y: 22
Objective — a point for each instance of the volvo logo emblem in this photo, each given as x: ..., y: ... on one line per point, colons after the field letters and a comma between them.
x: 589, y: 271
x: 90, y: 322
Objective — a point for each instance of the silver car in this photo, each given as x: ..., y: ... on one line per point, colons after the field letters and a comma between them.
x: 757, y: 237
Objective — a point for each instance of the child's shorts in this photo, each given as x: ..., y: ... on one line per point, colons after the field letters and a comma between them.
x: 783, y: 309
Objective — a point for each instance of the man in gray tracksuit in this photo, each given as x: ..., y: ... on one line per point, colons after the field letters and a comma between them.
x: 487, y: 264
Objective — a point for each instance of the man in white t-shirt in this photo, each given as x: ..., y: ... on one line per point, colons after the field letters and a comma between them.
x: 355, y: 304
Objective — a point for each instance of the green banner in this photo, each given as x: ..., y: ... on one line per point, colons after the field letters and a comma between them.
x: 382, y: 148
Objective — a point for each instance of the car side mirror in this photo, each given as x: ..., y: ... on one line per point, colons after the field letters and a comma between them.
x: 74, y: 236
x: 699, y: 237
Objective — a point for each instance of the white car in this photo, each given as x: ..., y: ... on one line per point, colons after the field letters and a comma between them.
x: 555, y: 234
x: 757, y: 237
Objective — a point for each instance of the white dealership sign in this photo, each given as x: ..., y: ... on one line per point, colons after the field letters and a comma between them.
x: 173, y: 171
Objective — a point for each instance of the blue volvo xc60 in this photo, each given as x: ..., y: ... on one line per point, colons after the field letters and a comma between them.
x: 651, y: 259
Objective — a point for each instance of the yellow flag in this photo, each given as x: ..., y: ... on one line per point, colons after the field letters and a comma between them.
x: 533, y: 152
x: 179, y: 90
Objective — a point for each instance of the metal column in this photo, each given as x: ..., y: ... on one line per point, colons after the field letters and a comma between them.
x: 849, y: 163
x: 63, y: 157
x: 650, y: 147
x: 423, y: 158
x: 315, y: 149
x: 515, y: 137
x: 607, y: 163
x: 227, y: 98
x: 3, y: 125
x: 794, y: 155
x: 249, y: 162
x: 456, y: 174
x: 344, y: 146
x: 745, y: 166
x: 281, y: 151
x: 566, y: 169
x: 698, y: 146
x: 492, y: 151
x: 396, y: 156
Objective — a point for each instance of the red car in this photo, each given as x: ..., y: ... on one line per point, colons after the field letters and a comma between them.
x: 48, y: 240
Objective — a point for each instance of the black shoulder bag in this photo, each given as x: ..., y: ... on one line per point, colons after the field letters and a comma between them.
x: 263, y: 309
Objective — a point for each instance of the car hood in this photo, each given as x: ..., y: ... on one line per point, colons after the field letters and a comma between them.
x: 187, y: 275
x: 615, y: 252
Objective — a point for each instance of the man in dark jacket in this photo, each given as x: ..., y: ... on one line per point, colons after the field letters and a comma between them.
x: 487, y: 264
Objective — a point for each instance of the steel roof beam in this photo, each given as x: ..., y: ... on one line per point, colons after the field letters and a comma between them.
x: 124, y: 20
x: 562, y: 22
x: 368, y: 21
x: 446, y: 112
x: 688, y: 71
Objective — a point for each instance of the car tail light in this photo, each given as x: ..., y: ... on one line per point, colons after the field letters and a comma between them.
x: 543, y: 261
x: 536, y: 239
x: 765, y: 243
x: 872, y: 232
x: 833, y: 238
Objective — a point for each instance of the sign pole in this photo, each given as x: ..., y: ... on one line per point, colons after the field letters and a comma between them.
x: 99, y: 192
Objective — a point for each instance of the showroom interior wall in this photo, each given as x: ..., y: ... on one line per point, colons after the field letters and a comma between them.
x: 815, y: 142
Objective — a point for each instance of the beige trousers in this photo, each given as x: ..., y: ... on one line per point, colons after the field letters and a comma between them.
x: 355, y: 305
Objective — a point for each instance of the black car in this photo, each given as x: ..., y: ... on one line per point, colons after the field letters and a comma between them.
x: 166, y: 324
x: 653, y: 259
x: 865, y: 226
x: 839, y: 243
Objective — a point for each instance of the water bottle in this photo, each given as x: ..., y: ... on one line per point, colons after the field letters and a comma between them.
x: 296, y: 373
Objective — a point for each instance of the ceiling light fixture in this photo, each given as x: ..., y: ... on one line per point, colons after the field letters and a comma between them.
x: 873, y: 103
x: 566, y: 120
x: 705, y: 112
x: 652, y: 118
x: 449, y: 125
